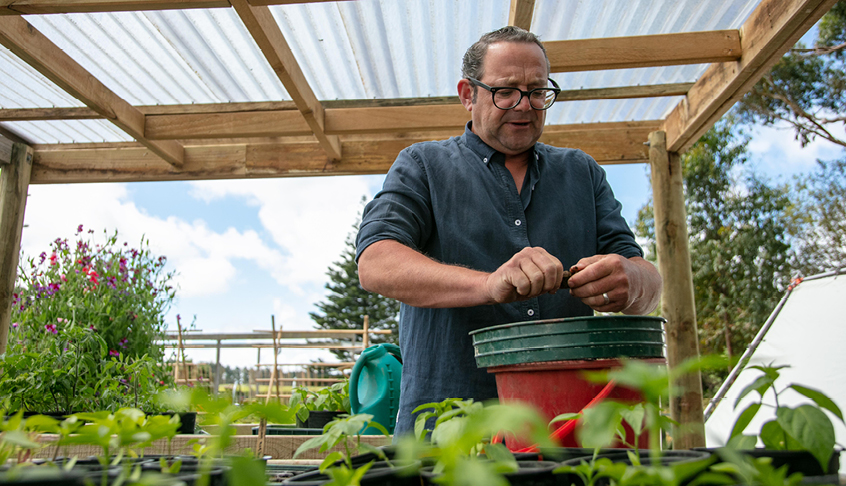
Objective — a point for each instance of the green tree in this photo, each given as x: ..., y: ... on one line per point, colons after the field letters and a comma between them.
x: 820, y: 242
x: 739, y: 241
x: 347, y: 303
x: 805, y: 89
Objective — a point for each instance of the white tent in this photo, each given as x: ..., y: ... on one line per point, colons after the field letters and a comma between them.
x: 807, y: 331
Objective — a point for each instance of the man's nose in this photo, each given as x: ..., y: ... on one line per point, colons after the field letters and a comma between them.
x: 523, y: 104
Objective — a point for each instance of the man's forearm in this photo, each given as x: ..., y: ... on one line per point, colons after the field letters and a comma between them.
x: 394, y: 270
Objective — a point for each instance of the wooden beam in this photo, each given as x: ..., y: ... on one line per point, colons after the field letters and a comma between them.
x: 608, y: 143
x: 520, y: 13
x: 12, y: 136
x: 677, y: 301
x: 625, y: 92
x: 772, y: 28
x: 39, y: 52
x: 18, y: 7
x: 264, y: 29
x: 396, y: 119
x: 643, y: 51
x: 227, y: 125
x: 14, y: 183
x: 5, y: 150
x: 237, y: 120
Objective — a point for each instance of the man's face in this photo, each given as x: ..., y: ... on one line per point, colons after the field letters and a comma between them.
x: 512, y: 64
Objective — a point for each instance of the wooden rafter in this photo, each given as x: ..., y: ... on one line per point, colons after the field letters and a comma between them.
x: 5, y: 150
x: 774, y: 27
x: 363, y: 154
x: 281, y: 119
x: 264, y: 29
x: 19, y: 7
x: 643, y: 51
x: 520, y: 13
x: 39, y: 52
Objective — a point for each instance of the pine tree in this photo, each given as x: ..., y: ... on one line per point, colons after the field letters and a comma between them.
x: 347, y: 303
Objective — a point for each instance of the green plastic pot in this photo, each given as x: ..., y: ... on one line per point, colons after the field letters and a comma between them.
x: 572, y: 338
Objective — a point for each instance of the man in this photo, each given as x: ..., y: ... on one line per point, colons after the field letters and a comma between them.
x: 477, y: 230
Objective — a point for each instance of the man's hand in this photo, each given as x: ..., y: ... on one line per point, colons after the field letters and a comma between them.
x: 632, y: 285
x: 528, y: 274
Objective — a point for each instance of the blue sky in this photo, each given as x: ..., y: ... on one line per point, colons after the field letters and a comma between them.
x: 248, y: 249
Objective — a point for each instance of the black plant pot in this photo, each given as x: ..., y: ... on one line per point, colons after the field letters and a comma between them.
x: 529, y: 473
x: 379, y: 474
x: 317, y: 419
x: 697, y: 460
x: 796, y: 461
x: 190, y: 472
x: 187, y: 421
x: 41, y: 476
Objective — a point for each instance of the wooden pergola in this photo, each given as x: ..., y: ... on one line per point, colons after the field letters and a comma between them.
x: 309, y: 137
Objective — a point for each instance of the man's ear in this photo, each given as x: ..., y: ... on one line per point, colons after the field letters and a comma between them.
x: 465, y: 93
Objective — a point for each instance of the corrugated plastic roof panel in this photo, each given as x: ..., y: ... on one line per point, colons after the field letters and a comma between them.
x: 364, y: 49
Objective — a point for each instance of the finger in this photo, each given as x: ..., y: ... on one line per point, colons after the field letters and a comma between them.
x: 552, y: 270
x: 534, y: 277
x: 599, y: 268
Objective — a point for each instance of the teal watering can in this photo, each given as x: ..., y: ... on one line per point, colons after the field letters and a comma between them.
x: 375, y: 385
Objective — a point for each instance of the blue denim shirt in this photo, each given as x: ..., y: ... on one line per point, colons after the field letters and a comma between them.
x: 455, y: 201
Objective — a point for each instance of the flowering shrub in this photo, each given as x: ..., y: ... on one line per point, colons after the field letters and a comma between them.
x: 87, y: 329
x: 120, y: 293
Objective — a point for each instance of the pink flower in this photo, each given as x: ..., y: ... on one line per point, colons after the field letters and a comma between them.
x: 91, y: 326
x: 51, y: 328
x: 60, y: 320
x: 123, y: 342
x: 112, y: 352
x: 15, y: 324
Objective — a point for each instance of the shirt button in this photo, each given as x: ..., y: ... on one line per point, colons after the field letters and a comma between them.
x: 531, y: 312
x: 485, y: 160
x: 518, y: 222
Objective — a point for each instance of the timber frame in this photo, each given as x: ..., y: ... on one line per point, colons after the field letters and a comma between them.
x: 307, y: 136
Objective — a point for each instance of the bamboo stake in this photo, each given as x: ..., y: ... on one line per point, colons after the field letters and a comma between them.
x: 182, y: 352
x: 365, y: 338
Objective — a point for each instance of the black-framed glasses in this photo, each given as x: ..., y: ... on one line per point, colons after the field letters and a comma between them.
x: 506, y: 98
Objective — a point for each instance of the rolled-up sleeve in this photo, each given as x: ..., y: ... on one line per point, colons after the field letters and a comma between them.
x: 402, y: 210
x: 612, y: 233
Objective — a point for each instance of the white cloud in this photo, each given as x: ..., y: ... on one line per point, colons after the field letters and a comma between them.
x: 308, y: 219
x: 779, y: 153
x: 204, y: 260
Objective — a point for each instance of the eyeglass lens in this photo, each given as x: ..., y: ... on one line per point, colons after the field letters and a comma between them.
x: 540, y: 99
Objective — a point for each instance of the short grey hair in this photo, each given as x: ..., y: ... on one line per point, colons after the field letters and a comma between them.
x: 473, y: 65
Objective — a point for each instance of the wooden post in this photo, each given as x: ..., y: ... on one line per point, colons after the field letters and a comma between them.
x: 217, y: 370
x: 677, y: 304
x: 14, y: 182
x: 365, y: 338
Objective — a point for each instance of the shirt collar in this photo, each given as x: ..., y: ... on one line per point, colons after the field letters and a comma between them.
x: 485, y: 152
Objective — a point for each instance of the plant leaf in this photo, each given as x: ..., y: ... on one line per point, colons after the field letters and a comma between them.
x: 811, y: 428
x: 742, y: 442
x: 820, y: 398
x: 761, y: 385
x: 744, y: 418
x: 634, y: 417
